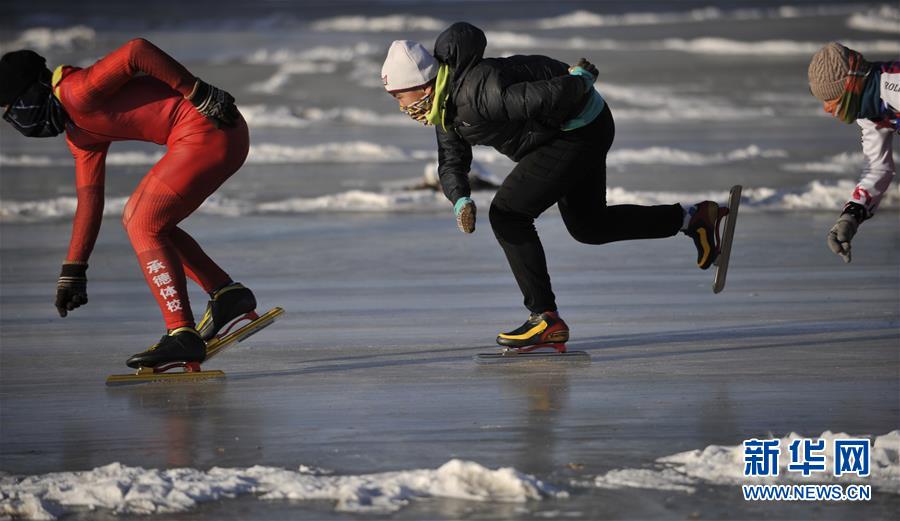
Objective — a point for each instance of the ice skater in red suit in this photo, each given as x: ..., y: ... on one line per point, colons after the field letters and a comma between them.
x: 138, y: 92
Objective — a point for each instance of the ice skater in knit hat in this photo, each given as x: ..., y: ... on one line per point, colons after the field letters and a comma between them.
x: 852, y: 89
x: 548, y: 118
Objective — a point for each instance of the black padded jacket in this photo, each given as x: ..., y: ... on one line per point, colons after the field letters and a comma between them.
x: 513, y: 104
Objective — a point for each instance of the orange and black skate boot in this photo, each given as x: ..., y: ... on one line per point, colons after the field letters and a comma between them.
x: 703, y: 228
x: 545, y: 329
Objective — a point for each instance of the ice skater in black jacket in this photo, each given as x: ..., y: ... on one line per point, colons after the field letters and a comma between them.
x: 547, y: 117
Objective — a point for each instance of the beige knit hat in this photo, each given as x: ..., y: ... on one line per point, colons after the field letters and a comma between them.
x: 408, y: 65
x: 828, y: 71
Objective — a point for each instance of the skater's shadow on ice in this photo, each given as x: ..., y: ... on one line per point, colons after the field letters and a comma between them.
x: 737, y: 338
x: 424, y: 350
x: 664, y: 344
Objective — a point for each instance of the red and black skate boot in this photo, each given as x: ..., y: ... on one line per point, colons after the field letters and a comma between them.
x: 228, y: 306
x: 545, y: 329
x: 703, y: 228
x: 182, y: 346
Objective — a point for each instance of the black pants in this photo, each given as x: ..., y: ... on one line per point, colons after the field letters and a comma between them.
x: 569, y: 171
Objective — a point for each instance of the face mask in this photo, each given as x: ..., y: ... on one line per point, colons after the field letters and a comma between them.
x: 419, y: 110
x: 37, y: 112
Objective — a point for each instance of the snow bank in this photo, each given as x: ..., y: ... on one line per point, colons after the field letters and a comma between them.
x: 815, y: 196
x: 886, y: 19
x: 843, y: 163
x: 135, y: 490
x: 705, y: 45
x: 391, y: 23
x: 264, y: 116
x: 724, y: 465
x: 674, y: 156
x: 46, y: 38
x: 582, y: 18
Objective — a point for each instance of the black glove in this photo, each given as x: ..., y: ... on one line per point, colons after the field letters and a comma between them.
x: 588, y: 66
x: 214, y: 103
x: 71, y: 288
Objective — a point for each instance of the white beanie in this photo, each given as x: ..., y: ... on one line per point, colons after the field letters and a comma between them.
x: 407, y: 65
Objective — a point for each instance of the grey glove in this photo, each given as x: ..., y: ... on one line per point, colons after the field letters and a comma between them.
x: 840, y: 235
x: 71, y: 287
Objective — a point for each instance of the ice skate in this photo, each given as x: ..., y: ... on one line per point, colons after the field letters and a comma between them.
x: 228, y: 306
x: 704, y: 230
x: 180, y: 346
x: 169, y: 354
x: 714, y: 244
x: 540, y: 331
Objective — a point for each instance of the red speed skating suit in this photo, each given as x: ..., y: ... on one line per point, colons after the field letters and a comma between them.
x: 137, y: 93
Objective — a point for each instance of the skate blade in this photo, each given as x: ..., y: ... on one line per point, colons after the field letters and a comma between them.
x: 218, y: 344
x: 513, y: 357
x: 151, y: 377
x: 721, y: 262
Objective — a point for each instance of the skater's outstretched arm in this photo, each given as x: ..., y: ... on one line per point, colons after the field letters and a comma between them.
x: 878, y: 170
x: 90, y: 172
x: 90, y: 175
x: 876, y: 177
x: 454, y: 163
x: 114, y: 70
x: 137, y: 56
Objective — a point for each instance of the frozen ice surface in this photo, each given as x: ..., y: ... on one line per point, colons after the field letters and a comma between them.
x: 370, y: 370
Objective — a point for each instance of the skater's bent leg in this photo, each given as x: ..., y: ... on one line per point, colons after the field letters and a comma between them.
x: 150, y: 215
x: 197, y: 265
x: 520, y: 242
x: 195, y: 168
x: 518, y: 202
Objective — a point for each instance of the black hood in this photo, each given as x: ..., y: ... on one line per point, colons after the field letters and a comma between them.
x: 460, y: 46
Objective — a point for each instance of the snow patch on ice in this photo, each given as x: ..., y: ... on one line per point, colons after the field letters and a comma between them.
x: 704, y: 45
x: 287, y: 71
x: 321, y: 53
x: 317, y: 60
x: 654, y: 104
x: 724, y: 465
x: 369, y: 152
x: 886, y: 19
x: 263, y: 153
x: 259, y: 116
x: 815, y: 196
x: 338, y: 152
x: 46, y: 38
x: 582, y: 18
x: 674, y: 156
x: 135, y: 490
x: 389, y: 23
x: 843, y: 163
x: 769, y: 47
